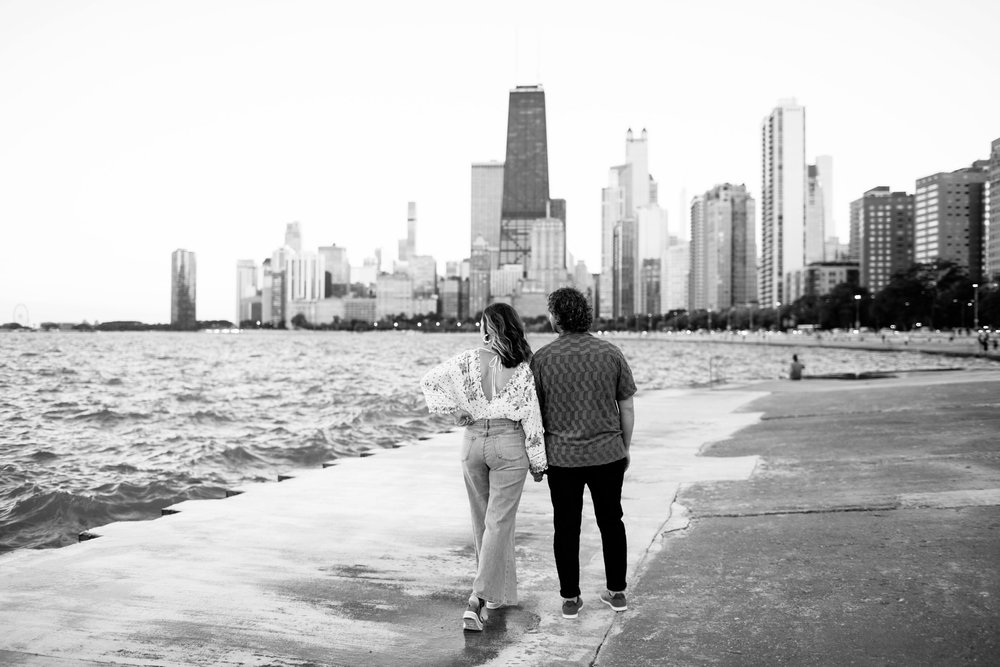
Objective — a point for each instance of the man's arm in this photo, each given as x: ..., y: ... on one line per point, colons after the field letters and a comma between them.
x: 626, y: 414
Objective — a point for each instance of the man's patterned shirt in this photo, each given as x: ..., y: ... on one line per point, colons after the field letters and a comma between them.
x: 579, y: 379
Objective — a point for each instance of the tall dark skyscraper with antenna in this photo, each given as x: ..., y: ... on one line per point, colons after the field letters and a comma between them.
x: 526, y: 178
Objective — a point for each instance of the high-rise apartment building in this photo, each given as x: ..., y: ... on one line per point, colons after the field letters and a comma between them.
x: 547, y: 263
x: 991, y: 261
x: 949, y: 220
x: 479, y: 277
x: 487, y: 203
x: 678, y: 258
x: 525, y: 177
x: 884, y: 221
x: 247, y: 292
x: 183, y: 289
x: 652, y: 243
x: 819, y: 207
x: 783, y: 193
x: 723, y: 249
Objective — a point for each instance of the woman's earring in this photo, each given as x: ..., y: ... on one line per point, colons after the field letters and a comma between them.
x: 487, y: 339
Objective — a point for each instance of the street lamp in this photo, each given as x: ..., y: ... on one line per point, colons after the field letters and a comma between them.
x: 857, y: 312
x: 975, y: 307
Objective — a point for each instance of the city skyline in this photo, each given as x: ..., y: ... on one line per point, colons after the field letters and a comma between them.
x: 131, y: 130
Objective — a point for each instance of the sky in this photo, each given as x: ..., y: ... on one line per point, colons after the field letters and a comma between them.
x: 131, y: 128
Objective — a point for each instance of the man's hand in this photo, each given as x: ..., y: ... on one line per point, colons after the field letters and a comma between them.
x: 538, y: 476
x: 462, y: 417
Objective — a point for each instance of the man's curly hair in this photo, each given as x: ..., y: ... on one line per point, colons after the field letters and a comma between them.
x: 571, y: 310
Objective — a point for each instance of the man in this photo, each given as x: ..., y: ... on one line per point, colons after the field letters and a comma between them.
x: 585, y: 390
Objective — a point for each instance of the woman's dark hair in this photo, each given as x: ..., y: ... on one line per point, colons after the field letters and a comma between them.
x: 571, y: 310
x: 503, y: 324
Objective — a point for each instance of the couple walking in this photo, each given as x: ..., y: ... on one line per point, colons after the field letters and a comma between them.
x: 564, y: 412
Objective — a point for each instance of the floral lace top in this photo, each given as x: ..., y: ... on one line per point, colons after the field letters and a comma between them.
x: 457, y: 385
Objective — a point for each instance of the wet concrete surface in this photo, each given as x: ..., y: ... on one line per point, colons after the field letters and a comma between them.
x: 869, y: 534
x: 367, y: 562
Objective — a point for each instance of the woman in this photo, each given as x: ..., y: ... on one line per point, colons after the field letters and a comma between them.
x: 490, y: 391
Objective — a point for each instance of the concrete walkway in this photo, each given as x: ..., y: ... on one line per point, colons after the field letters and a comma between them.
x: 366, y: 562
x: 868, y: 535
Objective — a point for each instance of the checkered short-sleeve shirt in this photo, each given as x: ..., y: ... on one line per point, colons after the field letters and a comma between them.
x: 579, y: 379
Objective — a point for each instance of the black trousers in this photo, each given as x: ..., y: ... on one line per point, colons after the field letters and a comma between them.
x: 566, y: 489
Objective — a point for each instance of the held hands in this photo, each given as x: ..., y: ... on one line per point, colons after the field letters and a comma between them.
x: 537, y: 476
x: 462, y: 417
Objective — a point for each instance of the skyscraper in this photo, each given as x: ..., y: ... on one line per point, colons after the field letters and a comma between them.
x: 783, y: 192
x: 949, y: 218
x: 408, y: 246
x: 885, y: 235
x: 246, y: 291
x: 723, y: 249
x: 183, y: 290
x: 819, y: 207
x: 487, y: 202
x: 992, y: 254
x: 525, y: 176
x: 630, y: 190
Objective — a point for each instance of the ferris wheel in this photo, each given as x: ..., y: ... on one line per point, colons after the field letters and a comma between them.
x: 21, y: 315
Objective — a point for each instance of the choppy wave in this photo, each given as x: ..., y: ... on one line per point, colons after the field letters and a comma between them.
x: 116, y: 426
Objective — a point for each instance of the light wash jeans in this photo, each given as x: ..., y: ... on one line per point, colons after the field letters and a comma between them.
x: 496, y: 465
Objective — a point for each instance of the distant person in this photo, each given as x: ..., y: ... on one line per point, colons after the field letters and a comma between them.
x: 585, y: 389
x: 490, y: 391
x: 795, y: 370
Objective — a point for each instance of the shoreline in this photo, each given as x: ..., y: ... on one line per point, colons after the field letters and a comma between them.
x: 325, y: 567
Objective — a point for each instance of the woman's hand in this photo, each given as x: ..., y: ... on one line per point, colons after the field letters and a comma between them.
x: 537, y: 476
x: 462, y: 417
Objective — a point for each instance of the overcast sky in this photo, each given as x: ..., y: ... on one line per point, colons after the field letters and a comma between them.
x: 131, y: 128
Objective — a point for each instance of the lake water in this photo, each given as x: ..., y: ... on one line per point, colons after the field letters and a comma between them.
x: 105, y: 427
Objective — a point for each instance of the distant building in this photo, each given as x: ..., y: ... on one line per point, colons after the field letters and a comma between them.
x: 723, y: 249
x: 949, y: 220
x: 359, y: 309
x: 408, y: 246
x: 678, y: 258
x: 293, y: 236
x: 991, y: 260
x: 248, y: 293
x: 183, y: 290
x: 480, y: 273
x: 624, y: 268
x: 836, y: 251
x: 451, y: 298
x: 652, y: 243
x: 547, y: 262
x: 626, y: 239
x: 525, y: 177
x: 819, y: 278
x: 487, y: 202
x: 336, y: 270
x: 884, y: 221
x: 304, y: 287
x: 783, y: 206
x: 819, y: 196
x: 394, y: 296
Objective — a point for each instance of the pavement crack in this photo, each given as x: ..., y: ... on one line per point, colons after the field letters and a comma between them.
x: 831, y: 510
